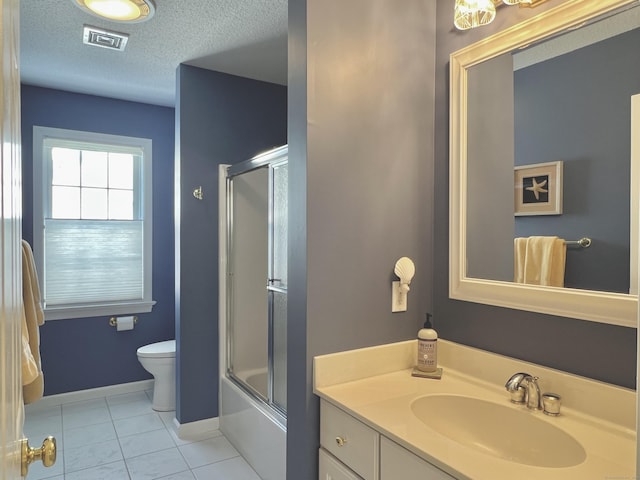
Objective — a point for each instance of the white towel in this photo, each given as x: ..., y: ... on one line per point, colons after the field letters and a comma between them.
x: 539, y: 261
x: 519, y: 256
x: 30, y: 369
x: 33, y: 319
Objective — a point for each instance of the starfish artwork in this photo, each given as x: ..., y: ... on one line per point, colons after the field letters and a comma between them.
x: 537, y: 188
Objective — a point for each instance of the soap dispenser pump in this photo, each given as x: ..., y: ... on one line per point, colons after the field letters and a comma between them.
x: 427, y: 347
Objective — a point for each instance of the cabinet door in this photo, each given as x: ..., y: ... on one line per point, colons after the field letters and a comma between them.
x: 398, y: 463
x: 332, y: 469
x: 350, y: 441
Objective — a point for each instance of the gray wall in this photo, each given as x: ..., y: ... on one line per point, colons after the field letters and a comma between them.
x: 490, y: 149
x: 576, y: 108
x: 562, y: 343
x: 360, y: 159
x: 220, y: 119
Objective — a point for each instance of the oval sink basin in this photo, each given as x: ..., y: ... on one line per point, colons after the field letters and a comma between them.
x: 503, y: 431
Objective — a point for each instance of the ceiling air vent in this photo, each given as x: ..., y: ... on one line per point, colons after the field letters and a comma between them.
x: 104, y: 38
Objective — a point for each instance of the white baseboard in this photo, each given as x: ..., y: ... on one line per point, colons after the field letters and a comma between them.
x: 90, y: 394
x: 197, y: 429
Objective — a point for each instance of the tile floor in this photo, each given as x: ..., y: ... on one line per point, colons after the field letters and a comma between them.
x: 121, y: 438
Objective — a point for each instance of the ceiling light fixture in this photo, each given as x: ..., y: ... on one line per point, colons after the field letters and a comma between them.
x: 473, y: 13
x: 127, y: 11
x: 476, y: 13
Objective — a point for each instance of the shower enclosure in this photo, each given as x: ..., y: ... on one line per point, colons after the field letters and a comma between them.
x: 253, y: 381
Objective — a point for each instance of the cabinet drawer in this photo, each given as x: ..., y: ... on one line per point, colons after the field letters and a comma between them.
x: 350, y: 440
x: 332, y: 469
x: 398, y: 463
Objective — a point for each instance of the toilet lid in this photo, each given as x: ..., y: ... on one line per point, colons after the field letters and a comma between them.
x: 158, y: 350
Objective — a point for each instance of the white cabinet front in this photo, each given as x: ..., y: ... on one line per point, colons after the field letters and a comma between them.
x: 332, y: 469
x: 350, y: 441
x: 351, y: 450
x: 398, y: 463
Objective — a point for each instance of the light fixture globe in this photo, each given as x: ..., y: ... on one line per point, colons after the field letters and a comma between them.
x: 473, y: 13
x: 124, y: 11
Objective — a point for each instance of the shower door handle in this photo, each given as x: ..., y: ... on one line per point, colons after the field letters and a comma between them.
x: 276, y: 288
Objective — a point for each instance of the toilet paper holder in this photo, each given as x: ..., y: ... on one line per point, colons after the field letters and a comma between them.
x: 113, y: 321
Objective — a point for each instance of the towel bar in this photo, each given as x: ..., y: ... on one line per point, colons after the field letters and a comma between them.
x: 583, y: 242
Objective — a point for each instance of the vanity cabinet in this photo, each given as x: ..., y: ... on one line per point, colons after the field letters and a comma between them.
x: 351, y: 450
x: 332, y: 469
x: 350, y: 441
x: 398, y: 463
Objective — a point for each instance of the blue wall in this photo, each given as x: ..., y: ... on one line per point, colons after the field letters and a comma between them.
x: 220, y: 119
x: 84, y: 353
x: 595, y: 149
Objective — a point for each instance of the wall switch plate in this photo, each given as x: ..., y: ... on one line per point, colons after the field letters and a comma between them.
x: 398, y: 298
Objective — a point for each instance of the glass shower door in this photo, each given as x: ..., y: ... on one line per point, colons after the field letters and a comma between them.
x: 257, y: 277
x: 277, y: 285
x: 248, y: 327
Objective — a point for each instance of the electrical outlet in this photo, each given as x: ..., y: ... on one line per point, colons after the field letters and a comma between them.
x: 398, y: 298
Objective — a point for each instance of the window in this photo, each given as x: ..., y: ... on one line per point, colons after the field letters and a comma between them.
x: 92, y: 222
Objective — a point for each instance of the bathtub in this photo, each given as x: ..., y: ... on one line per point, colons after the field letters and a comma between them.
x: 256, y: 379
x: 255, y: 430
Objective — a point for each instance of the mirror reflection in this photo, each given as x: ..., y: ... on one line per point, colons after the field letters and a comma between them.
x: 549, y: 155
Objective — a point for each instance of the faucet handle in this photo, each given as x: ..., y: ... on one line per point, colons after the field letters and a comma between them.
x: 518, y: 395
x: 515, y: 388
x: 551, y: 404
x: 515, y: 380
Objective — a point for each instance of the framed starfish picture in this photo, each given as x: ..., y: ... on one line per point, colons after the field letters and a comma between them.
x: 538, y: 189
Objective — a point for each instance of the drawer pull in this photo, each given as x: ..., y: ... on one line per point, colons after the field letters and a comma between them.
x: 341, y: 441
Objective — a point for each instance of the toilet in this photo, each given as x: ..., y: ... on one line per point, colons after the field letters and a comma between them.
x: 159, y: 359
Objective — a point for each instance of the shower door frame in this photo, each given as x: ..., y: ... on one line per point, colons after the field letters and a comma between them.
x: 270, y: 159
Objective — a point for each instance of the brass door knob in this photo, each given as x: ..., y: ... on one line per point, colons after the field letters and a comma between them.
x: 46, y: 453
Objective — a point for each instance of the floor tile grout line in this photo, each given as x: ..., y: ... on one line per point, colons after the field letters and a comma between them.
x: 119, y: 438
x: 124, y: 460
x: 64, y: 463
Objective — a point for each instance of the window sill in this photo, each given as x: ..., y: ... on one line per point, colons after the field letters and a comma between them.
x: 63, y: 313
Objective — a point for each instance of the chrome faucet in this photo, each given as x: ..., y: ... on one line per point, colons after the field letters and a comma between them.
x: 524, y: 388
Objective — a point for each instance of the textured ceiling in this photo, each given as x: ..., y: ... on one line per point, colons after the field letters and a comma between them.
x: 241, y: 37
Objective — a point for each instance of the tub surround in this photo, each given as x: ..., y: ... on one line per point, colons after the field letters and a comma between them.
x: 255, y: 431
x: 375, y: 386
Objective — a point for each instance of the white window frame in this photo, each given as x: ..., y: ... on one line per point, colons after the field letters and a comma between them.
x: 41, y: 186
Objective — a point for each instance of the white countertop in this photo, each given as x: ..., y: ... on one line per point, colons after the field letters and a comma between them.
x: 375, y: 385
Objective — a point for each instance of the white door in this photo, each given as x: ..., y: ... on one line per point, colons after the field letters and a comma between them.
x: 635, y: 221
x: 11, y: 409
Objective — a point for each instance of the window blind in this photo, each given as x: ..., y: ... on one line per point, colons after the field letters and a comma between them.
x: 93, y: 261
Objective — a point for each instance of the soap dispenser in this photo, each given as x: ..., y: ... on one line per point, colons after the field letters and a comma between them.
x: 427, y: 347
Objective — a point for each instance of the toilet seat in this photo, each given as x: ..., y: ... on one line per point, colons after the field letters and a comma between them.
x: 166, y: 349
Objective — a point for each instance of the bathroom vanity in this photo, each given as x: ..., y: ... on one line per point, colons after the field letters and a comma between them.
x: 380, y: 423
x: 351, y: 450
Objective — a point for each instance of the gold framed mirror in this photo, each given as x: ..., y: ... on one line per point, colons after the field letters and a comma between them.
x: 611, y: 307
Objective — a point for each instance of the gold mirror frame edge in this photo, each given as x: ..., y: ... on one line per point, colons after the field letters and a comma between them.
x: 604, y: 307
